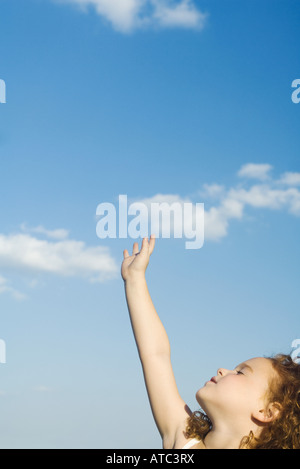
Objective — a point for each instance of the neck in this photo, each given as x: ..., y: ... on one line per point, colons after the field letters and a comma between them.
x: 223, y: 439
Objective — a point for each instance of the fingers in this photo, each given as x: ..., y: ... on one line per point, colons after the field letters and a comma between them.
x: 152, y: 243
x: 148, y: 245
x: 144, y: 247
x: 125, y: 253
x: 135, y: 249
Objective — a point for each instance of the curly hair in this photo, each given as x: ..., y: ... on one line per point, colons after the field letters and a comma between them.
x: 284, y: 393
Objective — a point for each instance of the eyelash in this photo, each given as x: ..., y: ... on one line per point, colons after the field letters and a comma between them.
x: 239, y: 373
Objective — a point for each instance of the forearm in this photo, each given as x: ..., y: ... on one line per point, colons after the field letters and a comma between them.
x: 149, y: 332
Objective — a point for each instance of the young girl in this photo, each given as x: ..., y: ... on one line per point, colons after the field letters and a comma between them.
x: 256, y: 405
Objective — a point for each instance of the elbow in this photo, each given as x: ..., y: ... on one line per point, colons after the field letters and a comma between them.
x: 161, y: 355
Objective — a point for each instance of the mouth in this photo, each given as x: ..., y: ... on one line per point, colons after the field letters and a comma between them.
x: 212, y: 380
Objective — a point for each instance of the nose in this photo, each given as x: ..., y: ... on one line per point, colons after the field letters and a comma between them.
x: 222, y: 372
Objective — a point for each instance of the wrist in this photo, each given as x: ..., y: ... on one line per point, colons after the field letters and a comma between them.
x: 135, y: 278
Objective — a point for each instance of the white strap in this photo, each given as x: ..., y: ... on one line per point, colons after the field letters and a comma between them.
x: 191, y: 443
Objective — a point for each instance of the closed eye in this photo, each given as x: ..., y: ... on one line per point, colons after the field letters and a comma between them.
x: 239, y: 373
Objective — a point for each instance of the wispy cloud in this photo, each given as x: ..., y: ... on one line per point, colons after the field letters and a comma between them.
x: 52, y: 234
x: 6, y: 288
x: 25, y: 254
x: 227, y: 204
x: 182, y: 14
x: 255, y: 171
x: 290, y: 179
x: 129, y: 15
x: 263, y: 193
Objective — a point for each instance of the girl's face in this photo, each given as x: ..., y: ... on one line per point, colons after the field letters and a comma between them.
x: 239, y: 394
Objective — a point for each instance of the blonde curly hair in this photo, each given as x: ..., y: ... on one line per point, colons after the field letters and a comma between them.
x: 284, y: 393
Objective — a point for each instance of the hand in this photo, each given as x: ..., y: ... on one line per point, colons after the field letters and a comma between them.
x: 137, y: 263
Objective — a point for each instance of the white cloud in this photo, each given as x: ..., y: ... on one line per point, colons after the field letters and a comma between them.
x: 122, y: 14
x: 290, y: 179
x: 183, y: 14
x: 25, y: 253
x: 216, y: 218
x: 265, y: 196
x: 52, y: 234
x: 255, y: 171
x: 235, y: 200
x: 128, y: 15
x: 212, y: 191
x: 231, y: 204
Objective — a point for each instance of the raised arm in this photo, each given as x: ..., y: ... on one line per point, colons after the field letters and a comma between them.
x: 169, y: 410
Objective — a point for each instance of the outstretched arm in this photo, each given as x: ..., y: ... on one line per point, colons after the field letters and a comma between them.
x: 169, y: 410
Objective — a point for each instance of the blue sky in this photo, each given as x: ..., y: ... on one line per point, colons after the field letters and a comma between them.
x: 185, y: 100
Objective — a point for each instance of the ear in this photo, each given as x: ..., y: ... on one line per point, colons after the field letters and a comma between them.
x: 269, y: 414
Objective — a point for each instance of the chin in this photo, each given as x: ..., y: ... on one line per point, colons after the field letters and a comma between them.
x: 205, y: 399
x: 200, y: 394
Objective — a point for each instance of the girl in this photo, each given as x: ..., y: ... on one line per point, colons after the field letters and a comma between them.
x: 256, y: 405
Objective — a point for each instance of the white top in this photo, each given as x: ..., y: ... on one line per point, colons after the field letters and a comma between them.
x: 191, y: 443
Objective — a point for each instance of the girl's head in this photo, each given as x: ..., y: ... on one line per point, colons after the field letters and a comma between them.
x: 258, y: 400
